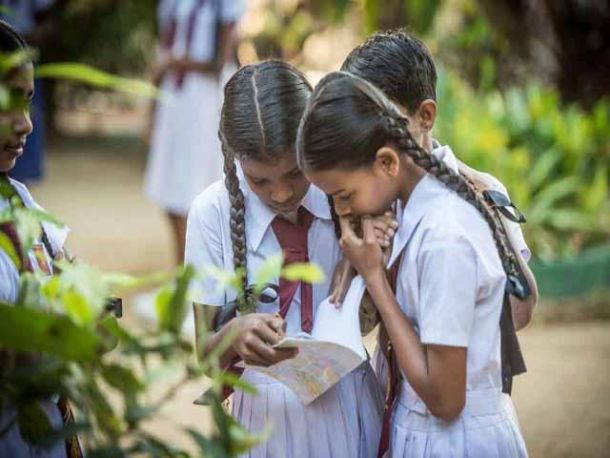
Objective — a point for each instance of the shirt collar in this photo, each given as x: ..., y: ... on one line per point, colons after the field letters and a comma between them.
x: 259, y: 216
x: 420, y: 200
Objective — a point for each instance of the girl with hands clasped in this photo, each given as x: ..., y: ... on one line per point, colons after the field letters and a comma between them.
x: 263, y: 207
x: 442, y: 301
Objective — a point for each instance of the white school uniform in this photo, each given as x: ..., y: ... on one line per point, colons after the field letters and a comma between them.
x: 185, y: 155
x: 346, y: 420
x: 451, y: 285
x: 11, y: 443
x: 444, y: 153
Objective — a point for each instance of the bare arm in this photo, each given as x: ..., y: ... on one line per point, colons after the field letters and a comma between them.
x: 436, y: 372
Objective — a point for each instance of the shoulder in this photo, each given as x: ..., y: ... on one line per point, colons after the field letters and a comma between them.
x: 451, y: 222
x: 211, y: 201
x: 57, y: 234
x: 25, y: 194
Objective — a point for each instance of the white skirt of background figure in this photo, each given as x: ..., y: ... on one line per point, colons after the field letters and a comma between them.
x: 185, y: 155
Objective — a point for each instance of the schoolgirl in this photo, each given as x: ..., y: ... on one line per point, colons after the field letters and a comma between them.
x: 265, y: 206
x: 441, y: 305
x: 16, y: 124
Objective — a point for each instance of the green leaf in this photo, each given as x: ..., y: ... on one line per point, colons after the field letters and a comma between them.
x: 230, y: 379
x: 7, y: 246
x: 303, y: 271
x: 208, y: 447
x: 9, y: 61
x: 47, y: 333
x: 544, y: 201
x: 34, y: 424
x: 268, y: 272
x: 92, y: 76
x: 541, y: 170
x: 122, y: 379
x: 569, y: 220
x: 76, y: 307
x: 242, y: 440
x: 42, y: 215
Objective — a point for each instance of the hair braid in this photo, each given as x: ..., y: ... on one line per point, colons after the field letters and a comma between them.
x: 397, y: 130
x: 238, y: 215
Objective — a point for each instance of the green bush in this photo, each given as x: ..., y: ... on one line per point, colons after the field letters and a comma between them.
x: 553, y: 159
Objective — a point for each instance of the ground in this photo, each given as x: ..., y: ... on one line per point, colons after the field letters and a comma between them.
x: 95, y: 186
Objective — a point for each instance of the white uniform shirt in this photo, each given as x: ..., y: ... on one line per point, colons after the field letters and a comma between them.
x: 450, y: 282
x: 9, y: 276
x: 203, y: 43
x: 208, y: 243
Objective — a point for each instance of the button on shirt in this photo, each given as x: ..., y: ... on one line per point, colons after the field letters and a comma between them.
x: 208, y: 243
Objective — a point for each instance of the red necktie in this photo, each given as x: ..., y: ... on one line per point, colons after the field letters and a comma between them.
x: 293, y: 240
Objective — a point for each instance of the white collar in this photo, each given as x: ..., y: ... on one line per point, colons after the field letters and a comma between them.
x: 420, y: 200
x: 259, y: 216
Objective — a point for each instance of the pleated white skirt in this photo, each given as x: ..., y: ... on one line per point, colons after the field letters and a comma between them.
x: 344, y: 422
x: 487, y: 428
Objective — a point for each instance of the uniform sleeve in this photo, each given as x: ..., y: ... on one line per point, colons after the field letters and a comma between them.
x: 203, y: 251
x: 9, y: 279
x: 232, y: 10
x: 448, y: 283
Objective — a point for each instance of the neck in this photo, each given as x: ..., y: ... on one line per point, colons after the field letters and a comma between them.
x: 426, y: 142
x: 411, y: 176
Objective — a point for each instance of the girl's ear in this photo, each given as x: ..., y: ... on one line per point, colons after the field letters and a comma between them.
x: 426, y: 114
x: 387, y: 160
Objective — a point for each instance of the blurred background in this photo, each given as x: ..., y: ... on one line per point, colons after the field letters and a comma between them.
x: 523, y: 93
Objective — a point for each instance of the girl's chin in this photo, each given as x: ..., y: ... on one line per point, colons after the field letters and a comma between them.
x: 6, y: 165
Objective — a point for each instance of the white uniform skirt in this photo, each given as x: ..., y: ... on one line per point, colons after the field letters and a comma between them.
x: 185, y: 155
x: 344, y: 422
x: 487, y: 428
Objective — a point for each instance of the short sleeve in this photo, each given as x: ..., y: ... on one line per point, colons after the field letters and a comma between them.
x: 9, y: 279
x: 232, y: 10
x: 203, y: 250
x: 448, y: 284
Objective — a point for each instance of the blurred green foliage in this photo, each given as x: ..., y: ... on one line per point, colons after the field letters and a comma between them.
x: 553, y: 159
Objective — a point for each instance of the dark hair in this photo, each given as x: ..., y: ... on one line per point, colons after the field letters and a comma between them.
x: 10, y: 40
x: 399, y: 64
x: 263, y: 104
x: 347, y: 120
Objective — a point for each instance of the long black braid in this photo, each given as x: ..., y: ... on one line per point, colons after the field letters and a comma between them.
x: 262, y: 106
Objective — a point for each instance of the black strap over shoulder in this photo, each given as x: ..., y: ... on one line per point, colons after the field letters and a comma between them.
x: 512, y: 359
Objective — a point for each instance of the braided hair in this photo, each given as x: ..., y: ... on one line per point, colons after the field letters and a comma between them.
x: 348, y: 119
x: 263, y: 104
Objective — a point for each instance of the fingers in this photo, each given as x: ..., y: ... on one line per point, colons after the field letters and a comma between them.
x: 347, y: 232
x: 267, y: 333
x: 368, y: 230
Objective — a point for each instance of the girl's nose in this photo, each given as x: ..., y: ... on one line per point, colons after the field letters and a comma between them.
x: 342, y: 209
x: 22, y: 125
x: 282, y: 194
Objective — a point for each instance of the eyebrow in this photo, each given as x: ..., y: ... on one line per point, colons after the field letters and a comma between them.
x: 337, y: 192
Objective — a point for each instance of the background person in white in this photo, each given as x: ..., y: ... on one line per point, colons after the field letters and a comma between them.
x: 196, y: 53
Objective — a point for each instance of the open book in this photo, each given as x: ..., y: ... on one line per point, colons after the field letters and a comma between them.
x: 332, y: 351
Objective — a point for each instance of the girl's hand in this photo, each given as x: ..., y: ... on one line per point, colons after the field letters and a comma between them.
x: 256, y: 333
x: 385, y: 227
x: 365, y: 253
x: 342, y: 278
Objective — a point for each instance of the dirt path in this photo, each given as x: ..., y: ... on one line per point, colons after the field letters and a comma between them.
x: 563, y: 401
